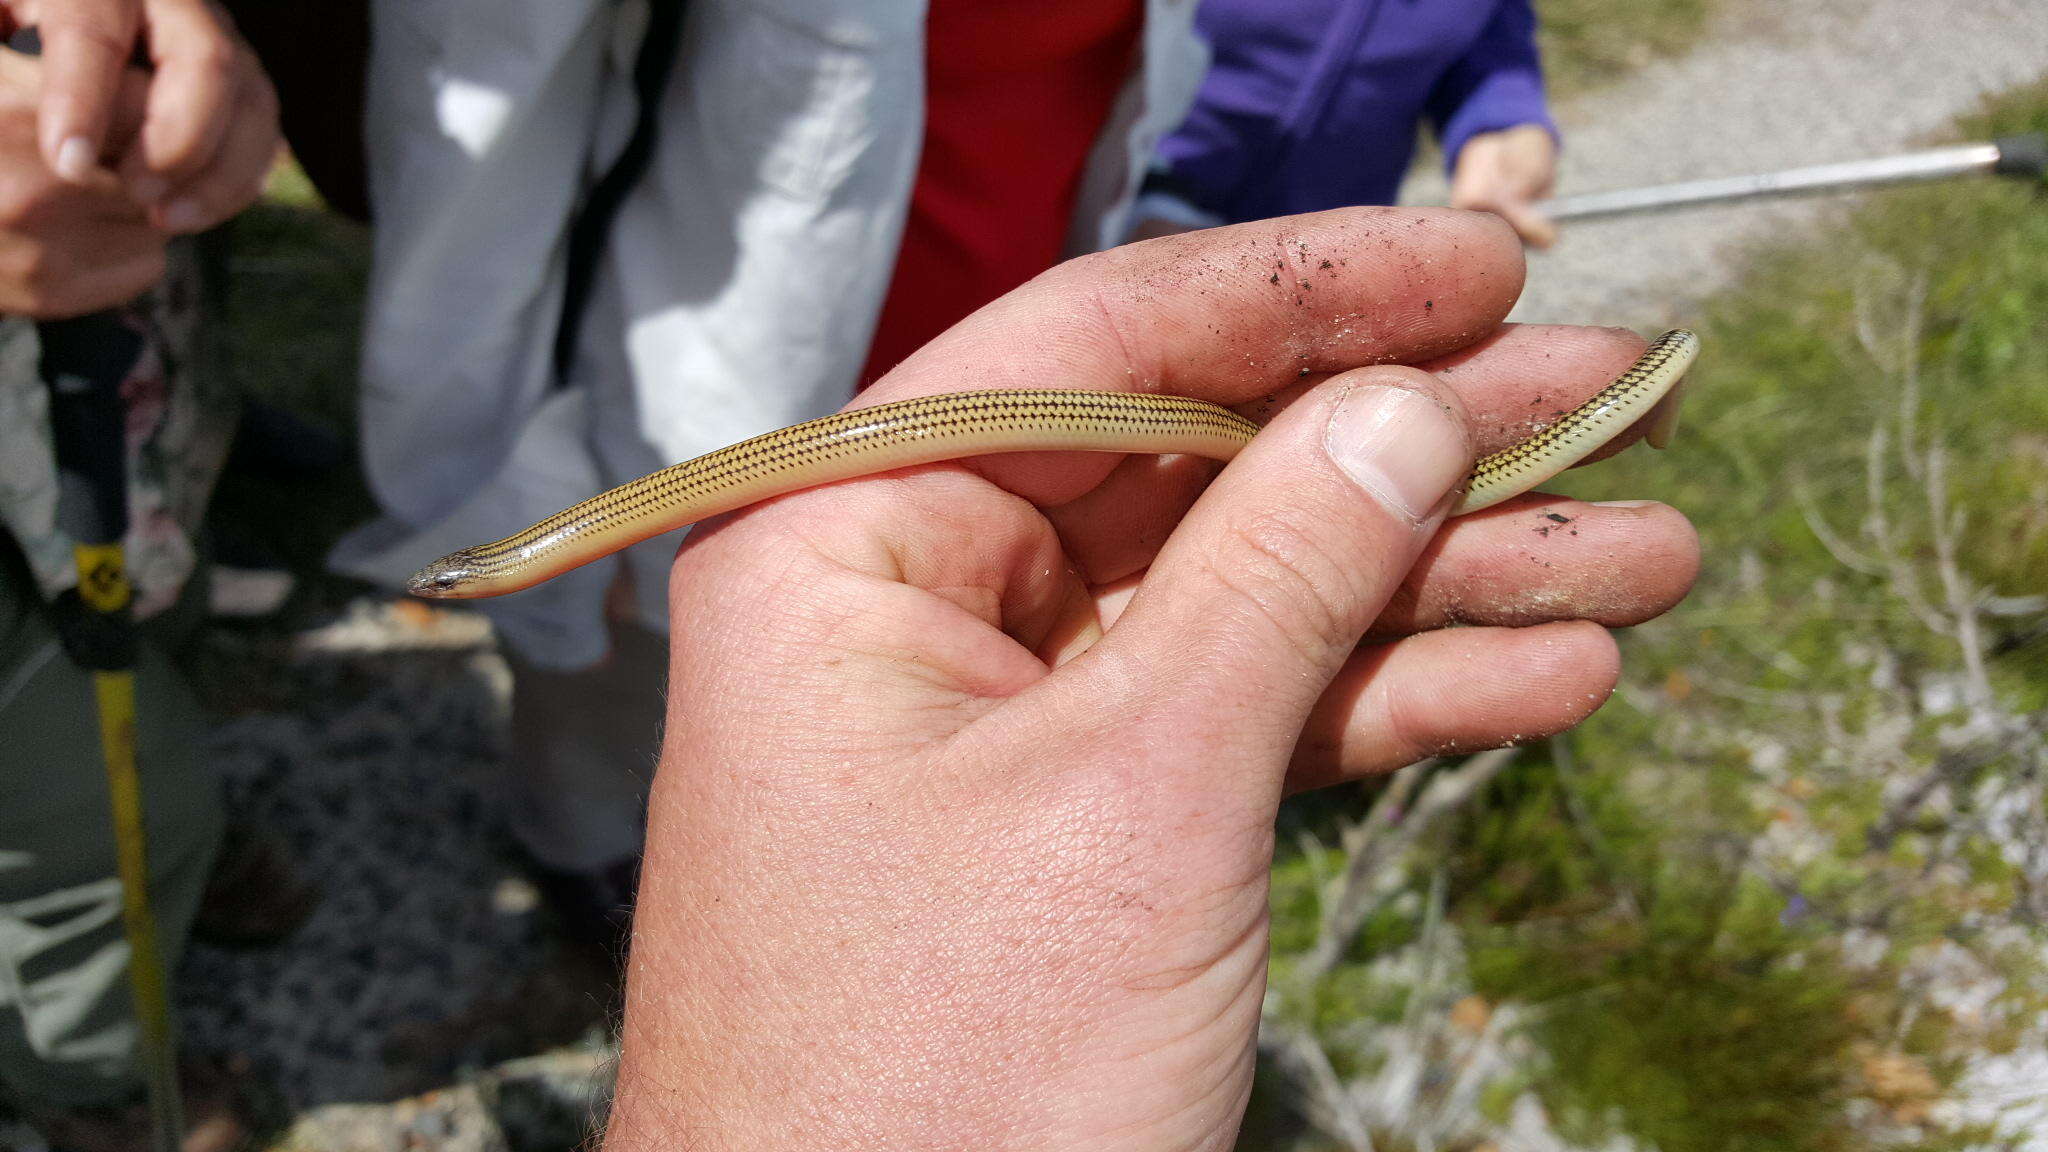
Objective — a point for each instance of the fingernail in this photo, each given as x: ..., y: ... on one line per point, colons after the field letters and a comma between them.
x: 1625, y: 503
x: 74, y: 159
x: 149, y: 189
x: 1398, y: 444
x: 183, y: 216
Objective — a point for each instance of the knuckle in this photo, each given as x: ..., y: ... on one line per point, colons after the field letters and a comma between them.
x: 14, y: 267
x: 145, y: 274
x: 38, y: 269
x: 238, y: 197
x: 1410, y: 726
x: 1282, y: 572
x: 214, y: 57
x: 209, y: 197
x: 18, y: 206
x: 38, y: 274
x: 111, y: 34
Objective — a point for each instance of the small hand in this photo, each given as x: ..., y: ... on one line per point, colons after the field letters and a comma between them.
x: 922, y: 873
x: 67, y: 248
x: 209, y: 132
x: 1504, y: 173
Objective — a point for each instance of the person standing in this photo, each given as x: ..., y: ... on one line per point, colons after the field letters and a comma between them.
x: 105, y: 170
x: 809, y: 173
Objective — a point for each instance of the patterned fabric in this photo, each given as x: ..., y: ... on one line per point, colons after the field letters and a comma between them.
x: 180, y: 421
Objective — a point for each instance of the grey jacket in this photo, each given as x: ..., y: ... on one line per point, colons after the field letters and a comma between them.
x: 744, y: 274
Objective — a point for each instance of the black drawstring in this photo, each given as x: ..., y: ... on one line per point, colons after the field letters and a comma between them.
x: 593, y: 223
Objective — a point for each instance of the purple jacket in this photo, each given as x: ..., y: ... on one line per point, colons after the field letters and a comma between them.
x: 1313, y: 104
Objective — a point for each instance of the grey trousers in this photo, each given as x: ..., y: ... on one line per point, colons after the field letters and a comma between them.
x: 584, y: 745
x: 67, y: 1028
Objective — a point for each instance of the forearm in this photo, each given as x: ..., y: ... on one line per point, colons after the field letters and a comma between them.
x: 1497, y: 85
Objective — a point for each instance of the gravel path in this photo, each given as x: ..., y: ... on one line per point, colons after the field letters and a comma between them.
x: 371, y: 745
x: 1770, y: 86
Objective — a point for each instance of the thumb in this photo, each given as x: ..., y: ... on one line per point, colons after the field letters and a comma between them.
x: 1267, y: 585
x: 1535, y: 228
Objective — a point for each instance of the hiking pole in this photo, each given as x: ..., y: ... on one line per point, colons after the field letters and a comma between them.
x: 83, y: 362
x: 2024, y: 157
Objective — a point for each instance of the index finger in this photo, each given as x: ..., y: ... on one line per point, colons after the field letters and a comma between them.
x: 85, y: 48
x: 191, y: 99
x: 1230, y: 315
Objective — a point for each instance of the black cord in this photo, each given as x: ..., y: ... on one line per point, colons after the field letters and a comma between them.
x: 593, y: 223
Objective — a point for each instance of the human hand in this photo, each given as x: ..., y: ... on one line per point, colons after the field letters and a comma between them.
x: 68, y: 248
x: 1504, y: 173
x: 913, y: 882
x: 209, y: 132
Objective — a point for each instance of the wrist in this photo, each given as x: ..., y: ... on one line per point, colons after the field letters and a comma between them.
x: 1189, y: 1100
